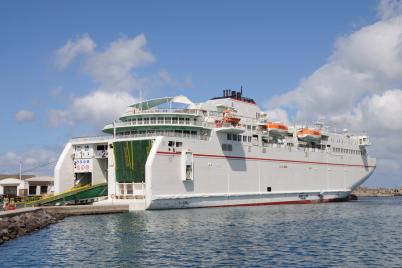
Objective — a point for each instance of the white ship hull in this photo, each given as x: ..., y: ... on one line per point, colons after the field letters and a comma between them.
x: 242, y: 178
x: 181, y: 159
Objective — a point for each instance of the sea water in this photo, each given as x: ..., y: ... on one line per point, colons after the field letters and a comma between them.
x: 364, y: 233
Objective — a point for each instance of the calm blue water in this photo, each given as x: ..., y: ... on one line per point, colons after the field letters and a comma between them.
x: 353, y: 234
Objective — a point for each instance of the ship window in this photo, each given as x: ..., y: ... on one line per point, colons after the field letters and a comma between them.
x: 153, y: 120
x: 254, y: 127
x: 226, y: 147
x: 179, y: 144
x: 186, y: 133
x: 139, y: 121
x: 264, y: 141
x: 244, y: 138
x: 229, y: 137
x: 238, y: 137
x: 249, y: 138
x: 187, y: 121
x: 174, y: 120
x: 101, y: 147
x: 255, y: 140
x: 268, y: 189
x: 178, y: 133
x: 181, y: 121
x: 146, y: 121
x: 171, y: 143
x: 129, y: 189
x: 160, y: 120
x: 168, y: 120
x: 194, y: 133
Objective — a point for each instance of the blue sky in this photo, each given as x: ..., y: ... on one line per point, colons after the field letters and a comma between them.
x: 202, y: 47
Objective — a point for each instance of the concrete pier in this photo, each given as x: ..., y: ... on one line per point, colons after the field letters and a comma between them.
x: 86, y: 209
x: 16, y: 212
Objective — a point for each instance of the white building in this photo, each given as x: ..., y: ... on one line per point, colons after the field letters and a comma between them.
x: 27, y: 185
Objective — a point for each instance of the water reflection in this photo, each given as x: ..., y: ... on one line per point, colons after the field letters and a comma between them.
x: 364, y: 233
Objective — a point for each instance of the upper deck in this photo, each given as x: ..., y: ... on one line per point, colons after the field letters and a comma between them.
x: 162, y: 117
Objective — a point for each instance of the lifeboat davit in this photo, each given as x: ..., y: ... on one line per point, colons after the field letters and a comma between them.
x: 277, y: 128
x: 310, y: 135
x: 229, y: 118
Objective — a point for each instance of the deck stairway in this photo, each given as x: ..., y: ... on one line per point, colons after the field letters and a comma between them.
x: 81, y: 195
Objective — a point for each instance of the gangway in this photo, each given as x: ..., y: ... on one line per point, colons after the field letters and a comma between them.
x: 79, y: 195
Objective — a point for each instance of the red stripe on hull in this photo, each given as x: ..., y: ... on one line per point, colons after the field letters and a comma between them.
x: 299, y: 202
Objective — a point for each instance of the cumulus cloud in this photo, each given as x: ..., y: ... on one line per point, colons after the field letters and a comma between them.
x: 24, y: 116
x: 377, y: 113
x: 359, y: 87
x: 96, y: 108
x: 389, y: 8
x: 278, y: 115
x: 34, y: 160
x: 364, y: 62
x: 114, y: 70
x: 66, y: 54
x: 113, y: 67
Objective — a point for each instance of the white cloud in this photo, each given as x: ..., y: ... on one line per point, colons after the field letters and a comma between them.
x: 66, y: 54
x: 113, y: 69
x: 24, y: 116
x: 389, y: 8
x: 278, y: 115
x: 355, y: 89
x: 34, y: 160
x: 97, y: 108
x: 378, y: 113
x: 364, y: 62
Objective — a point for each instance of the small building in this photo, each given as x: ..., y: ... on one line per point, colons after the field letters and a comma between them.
x: 41, y: 185
x: 12, y: 184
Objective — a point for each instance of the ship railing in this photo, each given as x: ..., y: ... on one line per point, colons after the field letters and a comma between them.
x: 164, y: 111
x: 131, y: 190
x: 91, y: 138
x: 165, y: 122
x: 163, y: 133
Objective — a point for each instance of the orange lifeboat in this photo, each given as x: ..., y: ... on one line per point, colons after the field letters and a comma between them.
x: 309, y: 135
x: 229, y: 118
x: 277, y: 128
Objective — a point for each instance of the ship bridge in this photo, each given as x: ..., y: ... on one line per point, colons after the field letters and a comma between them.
x: 163, y: 116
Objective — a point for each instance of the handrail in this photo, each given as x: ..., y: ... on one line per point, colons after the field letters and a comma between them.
x: 91, y: 138
x: 164, y: 111
x: 167, y: 134
x: 188, y: 123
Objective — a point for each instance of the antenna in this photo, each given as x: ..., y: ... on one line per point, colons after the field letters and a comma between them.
x: 141, y: 99
x: 241, y: 90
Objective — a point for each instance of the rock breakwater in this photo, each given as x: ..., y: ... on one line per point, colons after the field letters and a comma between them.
x: 18, y: 225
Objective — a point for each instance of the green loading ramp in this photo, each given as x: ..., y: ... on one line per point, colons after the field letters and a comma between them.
x: 130, y: 159
x: 73, y: 196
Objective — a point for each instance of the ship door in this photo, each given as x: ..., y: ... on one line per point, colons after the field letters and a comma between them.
x: 187, y: 166
x: 83, y: 179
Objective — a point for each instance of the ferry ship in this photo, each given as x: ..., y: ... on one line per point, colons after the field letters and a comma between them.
x: 170, y: 153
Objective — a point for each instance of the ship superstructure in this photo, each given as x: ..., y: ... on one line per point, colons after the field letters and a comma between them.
x: 173, y: 153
